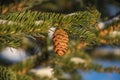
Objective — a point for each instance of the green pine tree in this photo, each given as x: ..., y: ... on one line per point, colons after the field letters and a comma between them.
x: 81, y: 26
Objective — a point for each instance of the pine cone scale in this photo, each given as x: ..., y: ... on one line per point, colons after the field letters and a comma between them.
x: 60, y: 37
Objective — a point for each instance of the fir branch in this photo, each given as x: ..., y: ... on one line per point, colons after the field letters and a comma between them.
x: 5, y: 21
x: 30, y: 22
x: 10, y: 40
x: 65, y: 64
x: 110, y: 35
x: 25, y: 65
x: 7, y: 74
x: 24, y: 77
x: 106, y: 24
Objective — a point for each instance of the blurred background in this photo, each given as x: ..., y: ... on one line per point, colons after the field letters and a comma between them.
x: 106, y: 54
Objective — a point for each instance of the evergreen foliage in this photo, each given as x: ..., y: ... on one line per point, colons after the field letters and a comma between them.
x: 7, y: 74
x: 110, y: 35
x: 23, y: 77
x: 81, y: 26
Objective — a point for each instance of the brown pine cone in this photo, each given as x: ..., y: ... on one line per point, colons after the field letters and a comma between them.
x: 60, y: 41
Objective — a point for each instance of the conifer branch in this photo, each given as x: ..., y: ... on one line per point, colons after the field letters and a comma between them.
x: 105, y: 24
x: 110, y: 35
x: 25, y: 65
x: 30, y: 22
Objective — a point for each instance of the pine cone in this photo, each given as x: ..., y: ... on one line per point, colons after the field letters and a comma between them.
x: 60, y: 41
